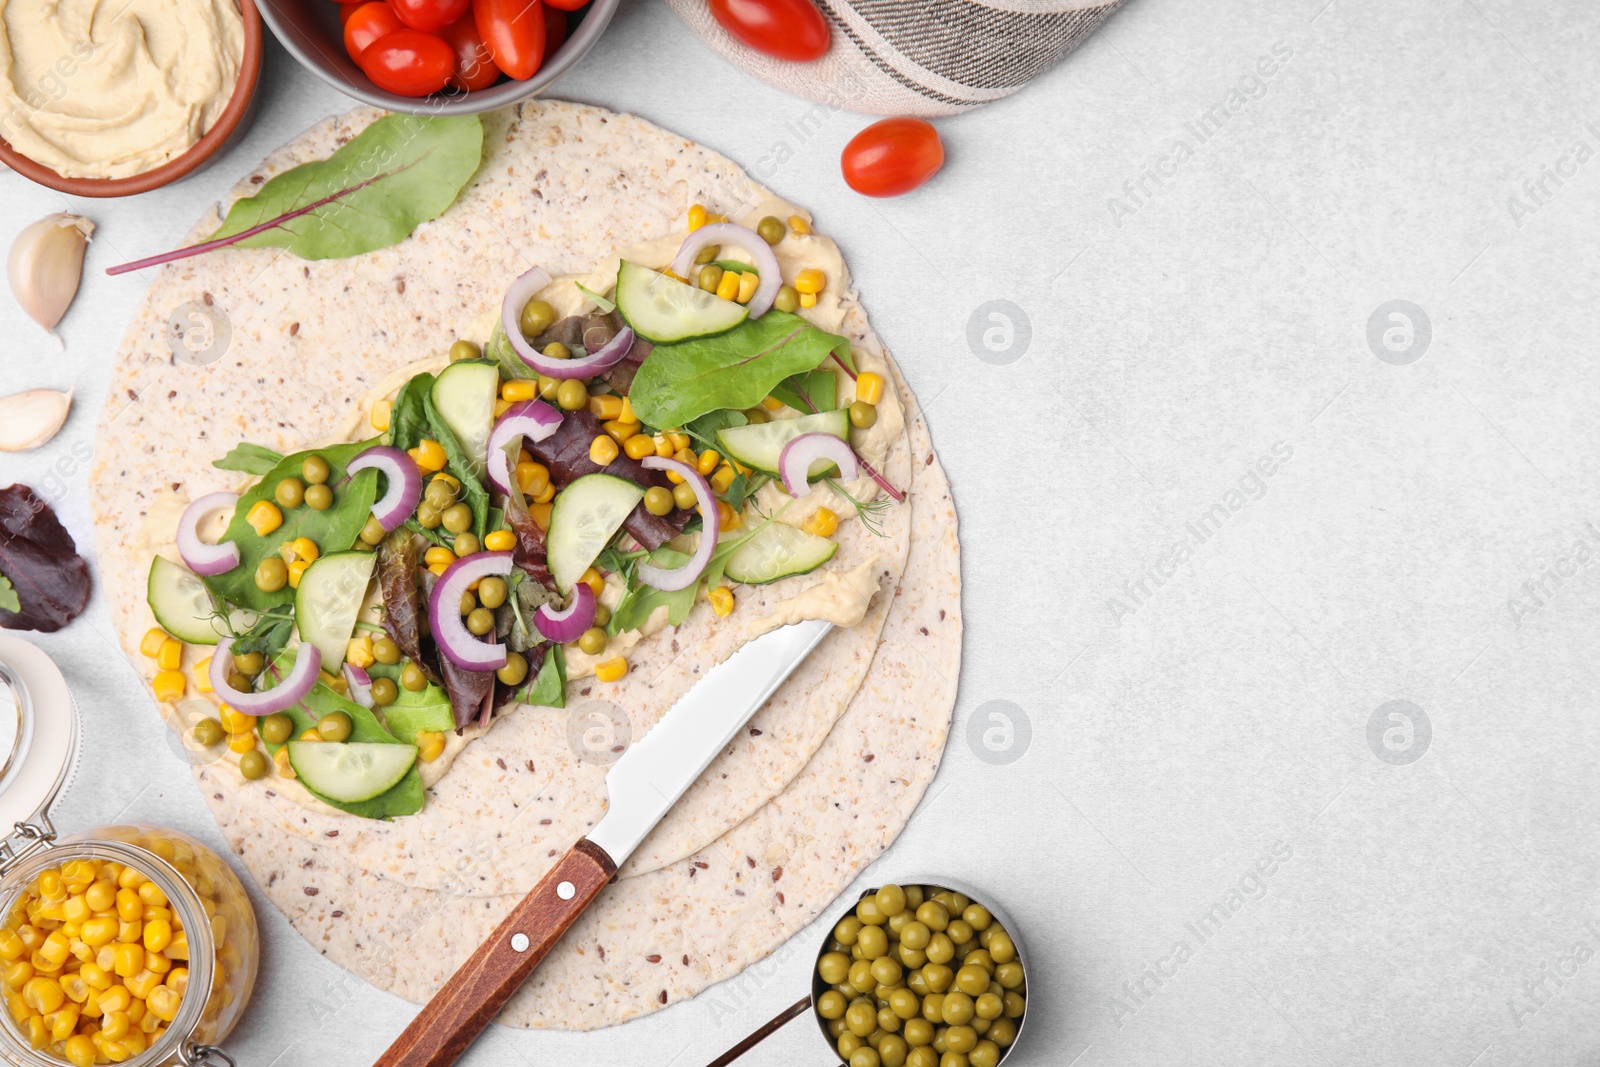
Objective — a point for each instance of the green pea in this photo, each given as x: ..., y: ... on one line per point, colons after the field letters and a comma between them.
x: 572, y: 395
x: 440, y: 494
x: 917, y: 1030
x: 867, y: 1056
x: 289, y: 492
x: 940, y: 949
x: 912, y: 957
x: 557, y: 350
x: 254, y: 765
x: 385, y: 651
x: 548, y: 387
x: 831, y: 1005
x: 373, y: 532
x: 915, y: 935
x: 987, y: 1005
x: 480, y: 622
x: 861, y: 1018
x: 959, y: 1038
x: 272, y: 574
x: 958, y: 931
x: 834, y: 967
x: 1009, y: 975
x: 888, y: 1021
x: 708, y: 253
x: 208, y: 732
x: 957, y: 1009
x: 933, y: 915
x: 972, y: 980
x: 334, y: 726
x: 984, y: 1054
x: 938, y: 976
x: 319, y: 497
x: 904, y: 1003
x: 861, y: 979
x: 466, y: 544
x: 1015, y: 1004
x: 874, y: 942
x: 315, y: 470
x: 977, y: 916
x: 384, y: 692
x: 658, y: 500
x: 847, y: 930
x: 241, y: 681
x: 275, y: 729
x: 457, y: 518
x: 771, y: 229
x: 887, y: 972
x: 684, y: 496
x: 413, y: 678
x: 469, y: 602
x: 249, y: 663
x: 537, y: 317
x: 464, y: 349
x: 891, y: 898
x: 428, y: 516
x: 602, y: 615
x: 593, y: 641
x: 863, y: 415
x: 515, y: 670
x: 709, y: 278
x: 1001, y: 948
x: 788, y: 299
x: 892, y: 1051
x: 491, y: 591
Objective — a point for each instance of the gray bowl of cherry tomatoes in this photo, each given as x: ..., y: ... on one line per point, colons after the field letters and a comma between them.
x: 438, y: 57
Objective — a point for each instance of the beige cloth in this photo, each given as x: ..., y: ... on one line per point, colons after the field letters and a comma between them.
x: 918, y: 57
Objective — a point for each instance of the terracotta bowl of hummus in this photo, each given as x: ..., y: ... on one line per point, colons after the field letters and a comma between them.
x: 144, y: 129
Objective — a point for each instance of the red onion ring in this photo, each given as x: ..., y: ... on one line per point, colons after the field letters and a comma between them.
x: 405, y: 483
x: 603, y: 358
x: 459, y: 645
x: 300, y: 680
x: 569, y: 623
x: 205, y: 559
x: 359, y: 682
x: 745, y: 240
x: 532, y: 420
x: 794, y: 462
x: 670, y: 580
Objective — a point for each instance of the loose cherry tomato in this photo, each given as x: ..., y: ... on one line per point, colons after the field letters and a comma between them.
x: 555, y: 28
x: 366, y: 24
x: 513, y: 30
x: 474, y: 69
x: 408, y: 62
x: 892, y: 156
x: 566, y: 5
x: 785, y: 29
x: 430, y: 15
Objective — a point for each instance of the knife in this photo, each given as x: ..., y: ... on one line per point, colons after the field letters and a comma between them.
x: 642, y: 787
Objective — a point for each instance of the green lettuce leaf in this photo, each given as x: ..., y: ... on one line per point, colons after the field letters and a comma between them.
x: 8, y: 596
x: 248, y: 459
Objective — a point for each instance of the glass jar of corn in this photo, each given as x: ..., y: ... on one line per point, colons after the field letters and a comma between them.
x: 119, y: 944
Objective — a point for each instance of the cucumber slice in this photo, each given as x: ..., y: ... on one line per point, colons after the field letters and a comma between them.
x: 183, y: 605
x: 352, y: 771
x: 778, y: 550
x: 329, y: 599
x: 663, y: 310
x: 759, y: 445
x: 464, y: 395
x: 586, y: 517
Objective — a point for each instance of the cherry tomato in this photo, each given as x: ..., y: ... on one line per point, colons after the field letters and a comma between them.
x: 366, y: 24
x: 408, y: 62
x: 785, y: 29
x: 513, y: 30
x: 566, y: 5
x: 892, y: 156
x: 474, y: 69
x: 346, y: 10
x: 430, y: 15
x: 555, y: 28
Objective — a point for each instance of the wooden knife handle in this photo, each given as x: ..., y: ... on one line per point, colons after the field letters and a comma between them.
x: 457, y: 1014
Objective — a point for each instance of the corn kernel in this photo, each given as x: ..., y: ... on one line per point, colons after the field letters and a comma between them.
x: 241, y: 743
x: 280, y: 762
x: 142, y: 981
x: 748, y: 284
x: 359, y: 651
x: 381, y: 411
x: 18, y: 974
x: 156, y: 961
x: 429, y: 456
x: 727, y: 518
x: 639, y: 446
x: 447, y: 478
x: 627, y: 411
x: 51, y: 887
x: 55, y: 949
x: 545, y: 495
x: 169, y: 686
x: 163, y: 1002
x: 152, y: 640
x: 202, y: 676
x: 77, y: 910
x: 235, y: 722
x: 306, y: 549
x: 603, y: 450
x: 43, y: 995
x: 116, y: 998
x: 808, y: 300
x: 297, y: 570
x: 663, y: 445
x: 438, y: 554
x: 34, y: 1029
x: 869, y: 387
x: 62, y: 1022
x: 157, y: 935
x: 799, y: 225
x: 722, y: 602
x: 541, y: 515
x: 519, y: 389
x: 697, y: 217
x: 605, y: 407
x: 178, y: 980
x: 128, y: 933
x: 594, y: 580
x: 501, y: 407
x: 500, y: 541
x: 264, y: 517
x: 822, y: 522
x: 728, y: 288
x: 707, y: 461
x: 620, y: 431
x: 311, y: 735
x: 152, y: 896
x: 114, y: 1025
x: 11, y: 948
x: 97, y: 932
x: 612, y: 670
x: 532, y: 478
x: 722, y: 478
x: 430, y: 745
x: 811, y: 280
x: 772, y: 403
x: 80, y: 1051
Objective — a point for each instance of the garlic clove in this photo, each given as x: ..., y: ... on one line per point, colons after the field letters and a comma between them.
x: 46, y: 264
x: 28, y: 420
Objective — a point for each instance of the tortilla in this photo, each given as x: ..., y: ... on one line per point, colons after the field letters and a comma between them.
x: 565, y: 186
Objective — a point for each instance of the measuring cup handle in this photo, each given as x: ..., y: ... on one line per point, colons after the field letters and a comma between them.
x: 457, y: 1014
x: 766, y: 1030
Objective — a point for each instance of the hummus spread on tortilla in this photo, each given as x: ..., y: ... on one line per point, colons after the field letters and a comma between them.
x: 95, y: 90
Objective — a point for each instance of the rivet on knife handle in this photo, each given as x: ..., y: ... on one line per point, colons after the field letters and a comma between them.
x: 474, y: 995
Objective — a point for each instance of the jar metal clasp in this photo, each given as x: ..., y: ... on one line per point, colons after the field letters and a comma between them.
x: 198, y: 1055
x: 26, y: 839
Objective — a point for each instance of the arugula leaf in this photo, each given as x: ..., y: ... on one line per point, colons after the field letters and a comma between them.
x: 408, y: 419
x: 743, y: 487
x: 549, y: 688
x: 396, y: 174
x: 473, y: 494
x: 8, y: 596
x: 642, y: 600
x: 269, y: 636
x: 704, y: 429
x: 680, y: 382
x: 813, y: 392
x: 333, y: 530
x: 249, y: 459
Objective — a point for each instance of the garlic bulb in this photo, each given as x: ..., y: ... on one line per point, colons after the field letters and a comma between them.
x: 46, y: 264
x: 28, y: 420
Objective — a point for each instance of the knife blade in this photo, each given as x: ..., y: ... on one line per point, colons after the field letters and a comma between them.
x: 642, y: 787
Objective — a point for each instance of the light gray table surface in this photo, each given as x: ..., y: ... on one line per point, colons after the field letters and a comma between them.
x: 1176, y: 756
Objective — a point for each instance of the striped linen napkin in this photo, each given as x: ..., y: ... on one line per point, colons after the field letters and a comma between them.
x: 918, y: 57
